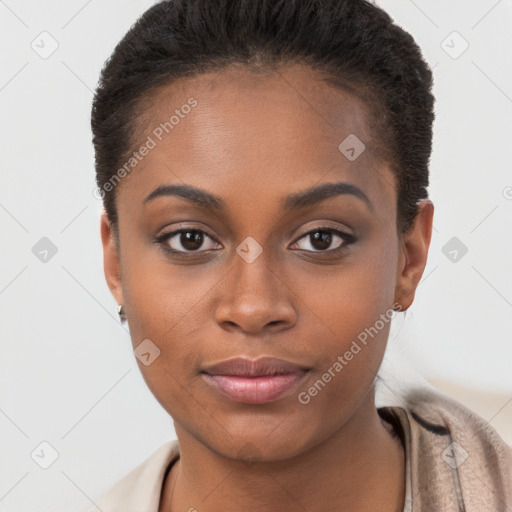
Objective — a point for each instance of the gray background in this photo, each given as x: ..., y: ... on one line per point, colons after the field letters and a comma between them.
x: 68, y: 375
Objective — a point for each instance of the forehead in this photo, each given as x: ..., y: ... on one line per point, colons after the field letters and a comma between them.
x: 287, y: 129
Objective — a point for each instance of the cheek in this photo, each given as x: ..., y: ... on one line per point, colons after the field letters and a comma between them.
x: 163, y: 300
x: 170, y: 306
x: 355, y: 315
x: 349, y: 298
x: 350, y: 364
x: 354, y: 308
x: 355, y: 312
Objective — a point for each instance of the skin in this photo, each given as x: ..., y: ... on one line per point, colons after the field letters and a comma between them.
x: 252, y: 140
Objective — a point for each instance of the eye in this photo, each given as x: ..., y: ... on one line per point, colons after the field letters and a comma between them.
x: 322, y: 239
x: 187, y: 240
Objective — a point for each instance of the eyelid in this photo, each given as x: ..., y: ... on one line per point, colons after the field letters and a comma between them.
x: 324, y: 226
x: 346, y: 237
x: 165, y: 237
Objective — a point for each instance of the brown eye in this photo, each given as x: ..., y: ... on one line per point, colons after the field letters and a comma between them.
x: 188, y: 240
x: 323, y: 239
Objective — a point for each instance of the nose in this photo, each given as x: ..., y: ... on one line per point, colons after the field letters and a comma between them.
x: 255, y: 299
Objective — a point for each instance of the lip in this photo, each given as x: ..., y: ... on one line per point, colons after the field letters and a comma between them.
x: 254, y: 381
x: 246, y: 367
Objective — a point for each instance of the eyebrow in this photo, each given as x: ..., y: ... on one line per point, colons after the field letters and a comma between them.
x: 295, y: 201
x: 314, y: 195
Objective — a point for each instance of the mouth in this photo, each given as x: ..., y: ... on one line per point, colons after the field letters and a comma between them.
x: 258, y: 381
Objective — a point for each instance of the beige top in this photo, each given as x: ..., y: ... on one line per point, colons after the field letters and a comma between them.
x: 455, y: 462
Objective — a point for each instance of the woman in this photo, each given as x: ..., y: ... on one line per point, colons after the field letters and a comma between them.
x: 264, y: 171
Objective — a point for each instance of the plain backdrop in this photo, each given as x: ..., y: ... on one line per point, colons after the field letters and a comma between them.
x: 68, y: 374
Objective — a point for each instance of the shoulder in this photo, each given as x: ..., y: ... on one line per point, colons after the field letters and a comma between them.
x: 456, y: 456
x: 139, y: 490
x: 440, y: 415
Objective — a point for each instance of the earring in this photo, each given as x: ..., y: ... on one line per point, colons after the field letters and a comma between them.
x: 121, y: 313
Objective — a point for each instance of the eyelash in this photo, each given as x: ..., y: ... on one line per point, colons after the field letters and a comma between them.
x: 347, y: 240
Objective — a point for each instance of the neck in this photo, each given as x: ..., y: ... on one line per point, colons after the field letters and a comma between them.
x: 359, y: 467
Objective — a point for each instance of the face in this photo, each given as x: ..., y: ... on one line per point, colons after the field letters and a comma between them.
x: 260, y: 268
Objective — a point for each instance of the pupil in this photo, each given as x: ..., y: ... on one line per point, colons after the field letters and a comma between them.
x: 321, y: 239
x: 191, y: 240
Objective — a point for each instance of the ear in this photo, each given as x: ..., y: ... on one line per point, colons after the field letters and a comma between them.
x: 111, y: 260
x: 413, y: 254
